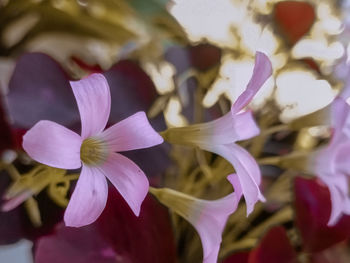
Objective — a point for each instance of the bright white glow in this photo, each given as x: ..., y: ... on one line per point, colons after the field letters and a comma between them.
x: 235, y: 77
x: 254, y: 38
x: 250, y: 34
x: 299, y: 93
x: 331, y: 25
x: 208, y: 19
x: 318, y: 50
x: 162, y: 76
x: 328, y: 22
x: 172, y: 114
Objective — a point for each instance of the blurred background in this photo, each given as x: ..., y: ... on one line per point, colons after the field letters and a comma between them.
x: 155, y: 54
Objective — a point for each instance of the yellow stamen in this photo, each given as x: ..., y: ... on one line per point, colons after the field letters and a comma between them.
x: 93, y: 151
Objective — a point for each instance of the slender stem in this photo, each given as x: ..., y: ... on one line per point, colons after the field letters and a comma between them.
x: 274, y: 129
x: 282, y: 216
x: 269, y: 160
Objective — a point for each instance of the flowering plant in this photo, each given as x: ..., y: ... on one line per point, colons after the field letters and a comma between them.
x: 134, y: 136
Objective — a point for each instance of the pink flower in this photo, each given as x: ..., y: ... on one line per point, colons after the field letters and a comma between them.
x: 331, y: 164
x: 219, y: 136
x: 207, y: 217
x: 95, y: 151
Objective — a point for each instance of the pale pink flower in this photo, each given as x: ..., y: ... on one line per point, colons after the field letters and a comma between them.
x: 220, y: 136
x: 331, y: 163
x: 212, y: 220
x: 208, y: 217
x: 95, y: 151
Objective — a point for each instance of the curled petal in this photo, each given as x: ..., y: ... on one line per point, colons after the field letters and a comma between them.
x: 207, y: 217
x: 88, y: 199
x: 134, y: 132
x: 245, y: 126
x: 340, y: 111
x: 261, y: 72
x: 338, y: 189
x: 212, y: 257
x: 224, y: 130
x: 52, y: 144
x: 128, y: 178
x: 94, y: 102
x: 247, y: 170
x: 233, y: 179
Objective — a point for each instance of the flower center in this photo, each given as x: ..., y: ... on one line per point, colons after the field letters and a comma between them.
x: 93, y: 151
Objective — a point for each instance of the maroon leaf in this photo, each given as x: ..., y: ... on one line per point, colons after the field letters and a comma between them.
x: 78, y: 245
x: 240, y: 257
x: 336, y: 254
x: 313, y: 208
x: 132, y: 89
x: 117, y: 236
x: 39, y: 90
x: 148, y: 238
x: 274, y: 248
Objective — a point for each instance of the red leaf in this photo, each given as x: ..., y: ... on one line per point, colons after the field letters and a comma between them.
x: 118, y: 236
x: 295, y: 18
x: 147, y: 238
x: 313, y: 208
x: 240, y: 257
x: 78, y: 245
x: 274, y: 248
x: 336, y: 254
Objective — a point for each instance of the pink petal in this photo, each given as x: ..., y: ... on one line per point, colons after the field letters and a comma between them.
x: 88, y: 199
x: 212, y: 257
x: 323, y: 160
x: 345, y: 93
x: 16, y: 201
x: 52, y: 144
x: 341, y: 158
x: 94, y: 103
x: 209, y: 219
x: 338, y: 188
x: 128, y: 178
x: 247, y: 170
x: 262, y: 71
x: 340, y: 120
x: 245, y: 126
x: 234, y: 180
x: 134, y: 132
